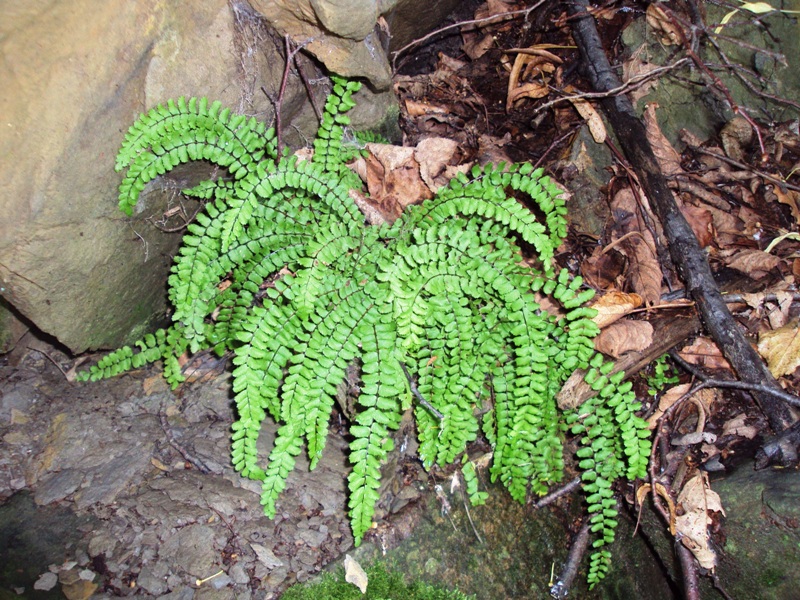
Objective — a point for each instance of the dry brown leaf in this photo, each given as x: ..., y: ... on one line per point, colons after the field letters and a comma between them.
x: 624, y: 336
x: 705, y: 353
x: 434, y: 155
x: 701, y: 221
x: 736, y: 135
x: 728, y: 227
x: 476, y: 45
x: 754, y: 263
x: 781, y: 349
x: 416, y: 108
x: 644, y: 270
x: 602, y: 269
x: 697, y: 499
x: 791, y: 198
x: 596, y: 126
x: 705, y: 398
x: 737, y: 426
x: 492, y: 8
x: 634, y: 68
x: 613, y: 306
x: 537, y: 62
x: 668, y: 32
x: 526, y: 90
x: 668, y: 158
x: 645, y: 488
x: 636, y: 242
x: 393, y: 179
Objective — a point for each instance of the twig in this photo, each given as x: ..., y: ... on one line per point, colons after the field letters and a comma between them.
x: 687, y: 255
x: 565, y: 489
x: 746, y: 167
x: 498, y: 18
x: 711, y: 382
x: 691, y: 585
x: 628, y: 86
x: 53, y: 360
x: 291, y: 53
x: 561, y: 589
x: 413, y: 386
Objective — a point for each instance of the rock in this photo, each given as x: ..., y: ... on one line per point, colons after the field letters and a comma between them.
x: 238, y: 574
x: 354, y: 19
x: 153, y: 578
x: 184, y: 594
x: 46, y: 582
x: 107, y: 481
x: 192, y: 550
x: 266, y: 557
x: 58, y: 486
x: 762, y: 533
x: 70, y: 262
x: 80, y: 590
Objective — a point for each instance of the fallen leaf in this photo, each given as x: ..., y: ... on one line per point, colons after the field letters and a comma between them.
x: 701, y: 221
x: 596, y: 126
x: 613, y: 306
x: 705, y: 398
x: 737, y: 426
x: 393, y: 179
x: 624, y: 336
x: 636, y: 68
x: 781, y: 349
x: 353, y: 573
x: 736, y: 135
x: 668, y: 32
x: 602, y: 269
x: 159, y: 465
x: 698, y: 499
x: 636, y: 242
x: 754, y: 263
x: 434, y: 155
x: 537, y: 63
x: 668, y: 158
x: 645, y: 488
x: 476, y: 46
x: 705, y: 353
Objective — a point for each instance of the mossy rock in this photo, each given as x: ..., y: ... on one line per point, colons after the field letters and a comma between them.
x: 384, y: 582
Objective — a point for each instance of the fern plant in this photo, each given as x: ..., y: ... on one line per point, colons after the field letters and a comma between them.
x: 280, y: 269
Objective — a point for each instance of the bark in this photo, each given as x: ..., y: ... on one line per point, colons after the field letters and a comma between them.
x: 689, y: 259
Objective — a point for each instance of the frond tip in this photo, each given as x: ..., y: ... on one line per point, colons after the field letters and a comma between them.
x: 281, y: 270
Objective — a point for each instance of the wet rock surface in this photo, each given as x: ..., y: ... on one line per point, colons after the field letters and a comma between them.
x: 100, y: 499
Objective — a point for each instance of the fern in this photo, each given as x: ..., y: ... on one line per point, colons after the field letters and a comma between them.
x: 281, y: 270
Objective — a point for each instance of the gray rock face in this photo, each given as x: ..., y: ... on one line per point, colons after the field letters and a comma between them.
x: 75, y: 75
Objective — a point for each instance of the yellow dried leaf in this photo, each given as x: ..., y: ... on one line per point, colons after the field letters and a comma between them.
x: 613, y: 306
x: 353, y: 573
x: 781, y: 349
x: 596, y: 126
x: 668, y: 32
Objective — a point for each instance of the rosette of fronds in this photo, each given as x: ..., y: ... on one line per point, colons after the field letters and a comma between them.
x: 281, y: 269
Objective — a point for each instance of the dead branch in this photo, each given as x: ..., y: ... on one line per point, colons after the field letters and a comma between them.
x: 693, y: 268
x: 561, y: 589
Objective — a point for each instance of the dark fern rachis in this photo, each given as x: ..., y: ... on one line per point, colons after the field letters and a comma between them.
x: 443, y: 291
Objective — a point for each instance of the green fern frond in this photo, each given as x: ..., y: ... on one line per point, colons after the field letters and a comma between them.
x: 280, y: 269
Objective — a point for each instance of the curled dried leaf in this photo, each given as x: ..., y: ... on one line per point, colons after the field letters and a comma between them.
x: 624, y: 336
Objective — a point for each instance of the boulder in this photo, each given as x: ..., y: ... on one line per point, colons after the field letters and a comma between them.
x: 75, y: 75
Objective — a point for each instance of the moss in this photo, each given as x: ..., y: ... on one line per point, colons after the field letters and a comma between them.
x: 383, y: 583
